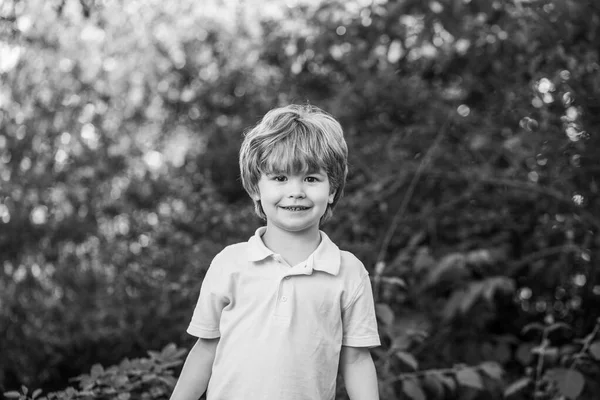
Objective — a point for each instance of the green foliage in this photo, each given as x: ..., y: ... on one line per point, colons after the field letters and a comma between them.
x: 149, y: 378
x: 472, y: 196
x: 566, y: 369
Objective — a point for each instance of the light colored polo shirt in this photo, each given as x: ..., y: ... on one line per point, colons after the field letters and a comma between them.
x: 281, y: 327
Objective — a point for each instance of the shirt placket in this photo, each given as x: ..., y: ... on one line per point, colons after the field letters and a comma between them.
x: 283, y: 306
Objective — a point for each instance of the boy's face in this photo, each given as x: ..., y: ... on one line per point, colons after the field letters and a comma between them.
x: 294, y: 202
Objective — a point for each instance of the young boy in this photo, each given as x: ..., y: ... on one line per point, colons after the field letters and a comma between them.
x: 278, y: 315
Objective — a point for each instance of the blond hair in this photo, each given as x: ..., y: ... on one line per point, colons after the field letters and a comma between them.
x: 293, y: 139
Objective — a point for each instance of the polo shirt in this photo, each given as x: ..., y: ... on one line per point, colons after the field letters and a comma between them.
x: 281, y: 327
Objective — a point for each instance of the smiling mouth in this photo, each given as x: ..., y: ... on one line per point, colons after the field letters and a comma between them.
x: 296, y: 208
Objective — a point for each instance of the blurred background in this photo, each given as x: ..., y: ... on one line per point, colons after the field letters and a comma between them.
x: 472, y: 196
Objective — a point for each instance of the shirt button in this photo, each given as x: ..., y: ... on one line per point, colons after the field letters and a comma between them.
x: 283, y: 298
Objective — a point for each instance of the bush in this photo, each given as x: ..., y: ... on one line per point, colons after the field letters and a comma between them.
x: 148, y: 378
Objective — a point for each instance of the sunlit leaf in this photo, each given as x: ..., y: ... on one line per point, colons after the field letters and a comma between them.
x: 408, y: 359
x: 473, y: 293
x: 469, y: 377
x: 448, y: 381
x: 451, y: 266
x: 517, y: 386
x: 96, y: 371
x: 401, y: 342
x: 385, y: 313
x: 570, y: 382
x: 169, y: 350
x: 595, y: 350
x: 452, y: 306
x: 412, y: 389
x: 492, y: 369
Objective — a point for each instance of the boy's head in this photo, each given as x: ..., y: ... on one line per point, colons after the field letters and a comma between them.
x: 294, y: 139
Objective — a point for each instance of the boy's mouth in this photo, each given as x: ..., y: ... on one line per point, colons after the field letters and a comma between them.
x: 295, y: 208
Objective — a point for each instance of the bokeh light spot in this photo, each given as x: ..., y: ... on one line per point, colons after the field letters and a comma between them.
x: 463, y: 110
x: 39, y: 215
x: 578, y: 199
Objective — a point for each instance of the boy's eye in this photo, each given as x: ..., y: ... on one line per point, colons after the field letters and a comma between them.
x: 312, y: 179
x: 279, y: 178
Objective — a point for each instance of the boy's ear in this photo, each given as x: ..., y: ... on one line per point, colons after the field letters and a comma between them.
x: 331, y: 196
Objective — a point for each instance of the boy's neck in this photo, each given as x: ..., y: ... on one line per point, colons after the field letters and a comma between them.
x: 294, y: 247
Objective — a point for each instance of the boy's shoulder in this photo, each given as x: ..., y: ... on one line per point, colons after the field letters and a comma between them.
x: 235, y: 251
x: 231, y: 257
x: 351, y: 265
x: 350, y: 259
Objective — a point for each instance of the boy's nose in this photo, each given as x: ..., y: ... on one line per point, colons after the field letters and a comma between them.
x: 296, y: 190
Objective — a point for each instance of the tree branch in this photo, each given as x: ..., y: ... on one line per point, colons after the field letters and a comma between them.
x: 409, y: 192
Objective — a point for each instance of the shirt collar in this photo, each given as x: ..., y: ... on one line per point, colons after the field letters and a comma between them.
x: 326, y: 257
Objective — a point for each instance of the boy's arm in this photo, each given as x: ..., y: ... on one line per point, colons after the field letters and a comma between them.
x: 193, y: 380
x: 359, y: 373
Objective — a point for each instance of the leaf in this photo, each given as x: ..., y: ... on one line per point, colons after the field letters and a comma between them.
x: 385, y: 313
x: 451, y: 264
x: 13, y: 394
x: 569, y: 381
x: 524, y: 354
x: 468, y: 377
x: 497, y: 283
x: 120, y: 381
x: 407, y: 359
x: 413, y: 390
x: 448, y: 381
x: 492, y: 369
x: 148, y: 377
x: 434, y: 385
x: 394, y: 280
x: 168, y: 380
x: 401, y: 342
x: 171, y: 364
x: 169, y: 350
x: 517, y: 386
x: 416, y: 239
x: 422, y: 260
x: 154, y: 355
x: 474, y: 291
x: 595, y: 350
x: 36, y: 393
x: 453, y: 304
x: 96, y: 371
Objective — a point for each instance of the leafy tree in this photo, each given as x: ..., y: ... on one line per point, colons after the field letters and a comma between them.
x: 472, y: 195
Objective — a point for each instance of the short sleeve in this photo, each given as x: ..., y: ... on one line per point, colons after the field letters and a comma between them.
x: 213, y: 298
x: 358, y: 318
